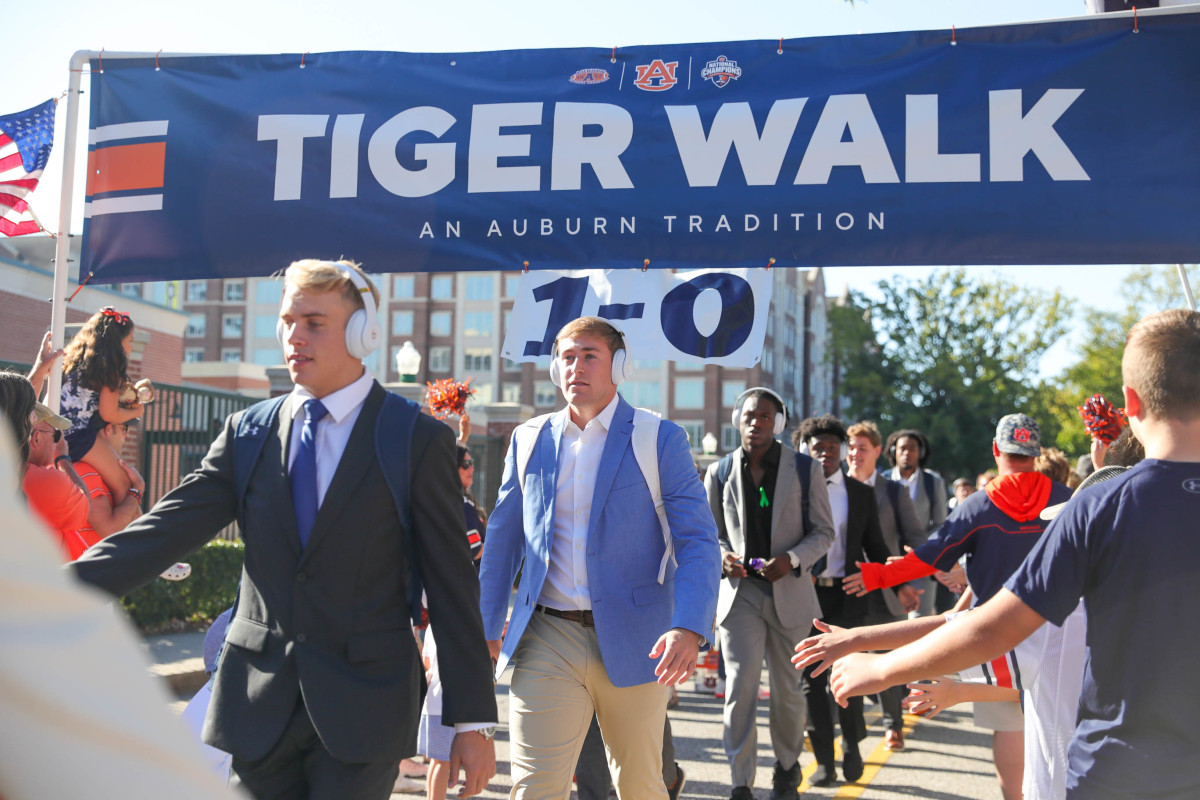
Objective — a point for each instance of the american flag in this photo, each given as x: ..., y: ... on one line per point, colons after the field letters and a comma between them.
x: 25, y: 141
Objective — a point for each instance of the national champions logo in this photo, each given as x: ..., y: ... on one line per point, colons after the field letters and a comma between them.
x: 721, y: 71
x: 657, y: 76
x: 588, y: 77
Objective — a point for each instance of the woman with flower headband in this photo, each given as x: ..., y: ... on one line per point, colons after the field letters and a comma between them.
x: 94, y: 372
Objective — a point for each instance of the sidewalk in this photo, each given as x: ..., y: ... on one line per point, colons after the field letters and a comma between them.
x: 945, y: 759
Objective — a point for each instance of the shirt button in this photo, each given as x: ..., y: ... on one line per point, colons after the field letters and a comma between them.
x: 301, y: 638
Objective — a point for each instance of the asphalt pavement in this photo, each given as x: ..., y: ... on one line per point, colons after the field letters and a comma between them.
x: 945, y: 758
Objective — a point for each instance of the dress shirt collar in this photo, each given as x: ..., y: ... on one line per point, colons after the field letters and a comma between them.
x: 339, y: 404
x: 604, y: 418
x: 871, y: 480
x: 837, y: 478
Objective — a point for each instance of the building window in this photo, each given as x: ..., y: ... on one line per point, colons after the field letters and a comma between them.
x: 442, y: 287
x: 269, y: 291
x: 231, y: 355
x: 404, y: 286
x: 477, y: 359
x: 235, y: 291
x: 511, y: 366
x: 643, y: 394
x: 197, y: 323
x: 689, y: 393
x: 789, y: 374
x: 689, y: 366
x: 477, y: 323
x: 193, y: 355
x: 511, y: 284
x: 731, y: 438
x: 130, y: 289
x: 268, y: 356
x: 510, y: 393
x: 439, y: 359
x: 197, y: 291
x: 768, y: 361
x: 545, y: 393
x: 402, y: 323
x: 231, y: 326
x: 730, y: 391
x: 264, y: 325
x: 440, y: 323
x: 694, y: 430
x: 791, y: 337
x: 643, y: 363
x: 480, y: 287
x: 771, y: 327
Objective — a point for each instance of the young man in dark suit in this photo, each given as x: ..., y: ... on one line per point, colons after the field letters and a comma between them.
x: 318, y: 690
x: 857, y: 531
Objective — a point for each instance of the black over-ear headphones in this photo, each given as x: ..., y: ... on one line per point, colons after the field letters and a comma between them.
x: 910, y: 433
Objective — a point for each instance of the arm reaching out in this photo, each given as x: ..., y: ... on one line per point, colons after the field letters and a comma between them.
x: 931, y: 699
x: 834, y: 642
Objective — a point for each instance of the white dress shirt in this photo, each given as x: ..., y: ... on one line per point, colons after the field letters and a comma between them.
x: 333, y: 432
x: 839, y: 502
x: 912, y: 481
x: 566, y: 586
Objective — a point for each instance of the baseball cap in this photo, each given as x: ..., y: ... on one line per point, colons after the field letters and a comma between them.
x: 44, y: 414
x: 1019, y: 435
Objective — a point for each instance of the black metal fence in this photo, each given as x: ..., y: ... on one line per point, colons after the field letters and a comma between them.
x: 176, y: 431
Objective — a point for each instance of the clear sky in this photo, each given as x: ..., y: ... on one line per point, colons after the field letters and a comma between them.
x: 38, y: 61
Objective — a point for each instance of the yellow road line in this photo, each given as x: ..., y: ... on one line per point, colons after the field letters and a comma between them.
x: 871, y: 765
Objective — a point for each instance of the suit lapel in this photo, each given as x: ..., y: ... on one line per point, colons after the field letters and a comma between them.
x: 734, y: 487
x: 281, y: 474
x: 547, y: 451
x: 785, y: 476
x: 356, y: 460
x: 854, y: 527
x: 615, y: 445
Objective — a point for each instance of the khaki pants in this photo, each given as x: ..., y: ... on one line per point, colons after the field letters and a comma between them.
x: 558, y: 683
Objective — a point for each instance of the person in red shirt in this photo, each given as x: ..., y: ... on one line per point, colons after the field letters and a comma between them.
x: 108, y: 516
x: 55, y: 493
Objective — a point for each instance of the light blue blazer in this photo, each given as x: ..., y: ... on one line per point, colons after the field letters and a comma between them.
x: 624, y: 548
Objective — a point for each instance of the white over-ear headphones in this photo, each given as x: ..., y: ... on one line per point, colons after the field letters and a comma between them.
x: 780, y: 416
x: 622, y: 364
x: 362, y: 329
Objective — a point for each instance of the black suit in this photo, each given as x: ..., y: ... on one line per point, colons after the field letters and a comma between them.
x: 863, y: 537
x: 331, y: 621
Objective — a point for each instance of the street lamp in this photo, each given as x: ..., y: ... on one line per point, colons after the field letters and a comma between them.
x: 408, y: 363
x: 709, y: 444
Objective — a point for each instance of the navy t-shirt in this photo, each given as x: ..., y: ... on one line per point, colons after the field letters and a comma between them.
x: 995, y: 544
x: 1130, y: 547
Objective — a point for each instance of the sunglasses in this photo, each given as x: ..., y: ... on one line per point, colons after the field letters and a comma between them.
x: 466, y: 464
x: 57, y: 433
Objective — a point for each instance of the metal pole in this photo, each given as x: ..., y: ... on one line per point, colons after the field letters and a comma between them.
x: 1187, y: 287
x: 62, y: 245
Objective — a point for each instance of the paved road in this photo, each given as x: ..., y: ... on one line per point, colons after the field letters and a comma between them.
x: 946, y: 757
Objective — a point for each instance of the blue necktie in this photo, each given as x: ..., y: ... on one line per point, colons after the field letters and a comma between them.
x: 304, y: 471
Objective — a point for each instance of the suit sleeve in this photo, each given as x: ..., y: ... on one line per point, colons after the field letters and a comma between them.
x: 505, y: 548
x: 819, y: 538
x: 693, y: 534
x: 182, y: 521
x: 716, y: 504
x: 451, y: 588
x: 937, y: 504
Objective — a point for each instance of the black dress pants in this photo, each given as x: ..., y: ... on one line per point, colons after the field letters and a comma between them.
x: 816, y: 689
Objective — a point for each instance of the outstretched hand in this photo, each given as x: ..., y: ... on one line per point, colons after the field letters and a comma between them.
x: 855, y: 675
x: 932, y: 698
x: 826, y: 647
x: 679, y: 650
x: 853, y: 584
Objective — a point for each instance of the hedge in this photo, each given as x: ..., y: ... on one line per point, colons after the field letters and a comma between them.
x: 209, y: 590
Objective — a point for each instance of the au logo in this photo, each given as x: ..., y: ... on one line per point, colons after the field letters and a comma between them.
x: 657, y: 76
x: 587, y: 77
x: 721, y: 71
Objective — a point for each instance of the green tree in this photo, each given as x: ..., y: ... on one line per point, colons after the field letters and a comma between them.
x: 949, y: 354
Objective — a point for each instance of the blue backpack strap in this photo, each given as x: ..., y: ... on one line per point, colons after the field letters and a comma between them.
x: 724, y: 467
x: 393, y: 447
x: 804, y: 465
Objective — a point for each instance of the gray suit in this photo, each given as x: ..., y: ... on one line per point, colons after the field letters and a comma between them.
x: 326, y: 626
x: 757, y: 620
x: 910, y: 532
x: 931, y: 513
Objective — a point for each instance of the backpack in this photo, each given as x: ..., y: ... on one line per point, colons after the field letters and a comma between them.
x: 803, y: 474
x: 393, y: 441
x: 645, y: 452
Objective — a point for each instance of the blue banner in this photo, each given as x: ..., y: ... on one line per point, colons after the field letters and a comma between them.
x: 1069, y: 142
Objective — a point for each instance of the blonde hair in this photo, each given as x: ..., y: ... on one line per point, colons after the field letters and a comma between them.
x: 867, y: 429
x: 320, y: 276
x: 593, y: 326
x: 1162, y: 363
x: 1053, y: 463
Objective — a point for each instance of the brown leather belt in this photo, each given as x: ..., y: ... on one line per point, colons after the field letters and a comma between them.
x: 828, y: 583
x: 583, y: 618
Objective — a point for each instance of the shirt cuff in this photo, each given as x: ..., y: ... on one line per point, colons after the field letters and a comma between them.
x: 795, y: 559
x: 463, y: 727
